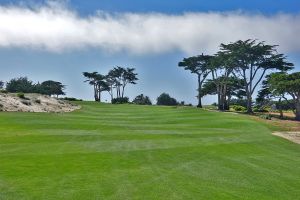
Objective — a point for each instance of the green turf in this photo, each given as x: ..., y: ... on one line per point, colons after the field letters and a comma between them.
x: 144, y: 152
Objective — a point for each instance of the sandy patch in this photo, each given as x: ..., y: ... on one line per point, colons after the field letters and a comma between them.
x: 292, y: 136
x: 34, y: 103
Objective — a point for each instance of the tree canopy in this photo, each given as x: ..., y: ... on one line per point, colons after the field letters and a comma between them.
x: 245, y: 61
x: 21, y: 84
x: 198, y: 65
x: 166, y: 99
x: 52, y: 88
x: 251, y: 60
x: 24, y: 85
x: 287, y: 84
x: 114, y: 82
x: 142, y: 100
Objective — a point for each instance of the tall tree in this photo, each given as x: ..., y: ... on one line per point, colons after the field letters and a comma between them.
x: 101, y: 85
x: 119, y: 78
x: 266, y: 95
x: 233, y: 89
x: 111, y: 80
x: 251, y: 61
x: 98, y: 81
x: 116, y: 75
x: 91, y: 79
x: 289, y: 84
x: 198, y: 65
x: 128, y: 77
x: 22, y: 84
x: 51, y: 88
x: 221, y: 69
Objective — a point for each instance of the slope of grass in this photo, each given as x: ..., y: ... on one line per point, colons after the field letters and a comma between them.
x: 144, y: 152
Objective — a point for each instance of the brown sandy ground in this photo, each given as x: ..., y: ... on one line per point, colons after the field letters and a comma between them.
x: 34, y: 103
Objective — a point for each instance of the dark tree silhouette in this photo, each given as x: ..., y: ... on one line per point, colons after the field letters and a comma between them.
x: 21, y: 84
x: 119, y: 78
x: 51, y: 88
x: 198, y: 65
x: 251, y: 60
x: 142, y: 100
x: 233, y: 89
x: 98, y: 81
x: 165, y: 99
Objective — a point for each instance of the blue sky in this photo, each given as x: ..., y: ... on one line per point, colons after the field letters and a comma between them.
x: 59, y: 40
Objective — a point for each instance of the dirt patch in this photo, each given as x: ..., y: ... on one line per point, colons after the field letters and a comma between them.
x: 34, y: 103
x: 292, y: 136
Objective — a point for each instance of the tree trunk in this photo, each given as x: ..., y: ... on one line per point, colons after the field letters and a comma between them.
x: 249, y: 103
x: 123, y: 88
x: 95, y: 93
x: 111, y: 95
x: 280, y: 109
x: 118, y: 92
x: 199, y: 92
x: 219, y: 99
x: 199, y: 103
x: 228, y: 102
x: 222, y: 98
x: 99, y: 96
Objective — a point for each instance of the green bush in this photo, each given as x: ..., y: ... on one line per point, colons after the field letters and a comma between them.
x: 21, y: 95
x: 262, y: 110
x: 120, y: 100
x: 3, y: 91
x: 239, y: 108
x: 166, y: 100
x: 142, y: 100
x: 268, y: 117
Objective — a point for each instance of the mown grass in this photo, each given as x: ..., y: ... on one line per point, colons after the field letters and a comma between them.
x: 144, y: 152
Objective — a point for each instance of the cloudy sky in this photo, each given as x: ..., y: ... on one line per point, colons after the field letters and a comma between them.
x: 59, y: 40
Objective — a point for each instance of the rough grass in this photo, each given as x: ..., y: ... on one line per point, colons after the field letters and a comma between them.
x: 144, y: 152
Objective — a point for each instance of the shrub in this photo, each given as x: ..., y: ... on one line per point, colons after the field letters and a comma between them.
x: 165, y: 99
x: 239, y: 102
x: 120, y: 100
x: 3, y: 91
x: 261, y: 109
x: 268, y: 117
x: 142, y: 100
x: 239, y: 108
x: 21, y: 95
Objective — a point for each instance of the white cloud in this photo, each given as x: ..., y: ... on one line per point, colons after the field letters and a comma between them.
x: 56, y: 28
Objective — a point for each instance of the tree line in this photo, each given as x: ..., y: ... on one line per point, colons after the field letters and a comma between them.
x: 24, y: 85
x: 114, y: 82
x: 238, y: 68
